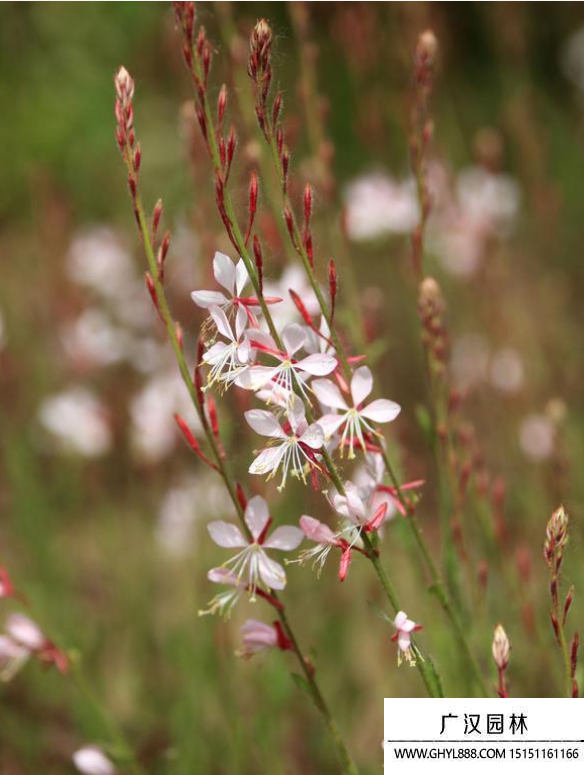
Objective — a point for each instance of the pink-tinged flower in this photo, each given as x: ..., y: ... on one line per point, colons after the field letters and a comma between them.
x: 403, y: 636
x: 233, y: 277
x: 228, y: 360
x: 294, y: 446
x: 12, y: 657
x: 365, y: 514
x: 257, y: 636
x: 289, y: 372
x: 356, y: 419
x: 91, y: 760
x: 251, y: 565
x: 325, y: 540
x: 224, y: 602
x: 26, y: 633
x: 371, y: 487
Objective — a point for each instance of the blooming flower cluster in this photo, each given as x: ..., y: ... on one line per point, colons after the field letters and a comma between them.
x: 310, y: 411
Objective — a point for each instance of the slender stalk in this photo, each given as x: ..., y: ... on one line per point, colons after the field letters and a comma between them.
x: 321, y: 157
x: 439, y: 587
x: 166, y: 316
x: 196, y: 68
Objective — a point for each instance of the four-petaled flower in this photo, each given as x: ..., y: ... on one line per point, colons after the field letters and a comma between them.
x: 356, y: 419
x: 251, y: 565
x: 295, y: 446
x: 289, y: 373
x: 403, y: 635
x: 325, y: 540
x: 364, y: 514
x: 233, y: 277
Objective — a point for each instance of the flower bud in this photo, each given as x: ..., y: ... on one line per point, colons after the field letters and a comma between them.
x: 556, y: 536
x: 501, y: 648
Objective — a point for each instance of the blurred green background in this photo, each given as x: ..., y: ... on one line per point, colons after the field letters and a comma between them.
x: 82, y: 536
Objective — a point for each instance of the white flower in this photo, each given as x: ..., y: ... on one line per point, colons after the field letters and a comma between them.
x: 290, y: 452
x: 404, y: 628
x: 357, y: 418
x: 325, y: 540
x: 289, y: 372
x: 228, y: 360
x: 537, y: 436
x: 153, y: 433
x: 377, y: 205
x: 78, y: 420
x: 507, y: 372
x: 252, y: 564
x: 286, y: 312
x: 92, y: 341
x: 483, y: 205
x: 98, y: 260
x: 25, y: 632
x: 91, y: 760
x: 364, y: 513
x: 186, y: 502
x: 233, y: 277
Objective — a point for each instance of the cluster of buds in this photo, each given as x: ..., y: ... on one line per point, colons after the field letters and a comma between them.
x: 431, y: 309
x: 501, y: 649
x: 259, y: 68
x: 198, y: 54
x: 421, y: 133
x: 125, y: 134
x: 556, y: 539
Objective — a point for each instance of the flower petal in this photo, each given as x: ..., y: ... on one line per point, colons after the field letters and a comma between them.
x: 316, y: 531
x: 329, y: 394
x: 256, y: 515
x: 330, y: 423
x: 404, y: 640
x: 318, y: 364
x: 400, y: 618
x: 285, y: 538
x: 220, y: 320
x: 241, y: 321
x: 226, y: 534
x: 381, y: 410
x: 313, y: 436
x: 258, y: 634
x: 268, y: 460
x: 361, y: 384
x: 92, y: 761
x: 264, y: 423
x: 241, y: 276
x: 207, y: 299
x: 293, y: 337
x: 224, y: 576
x: 224, y: 271
x: 271, y: 572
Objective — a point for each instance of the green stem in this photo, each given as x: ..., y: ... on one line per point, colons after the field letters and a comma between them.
x: 349, y: 767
